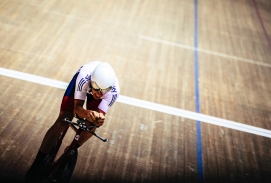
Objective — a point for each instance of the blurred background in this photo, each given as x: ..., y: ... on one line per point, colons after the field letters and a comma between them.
x: 210, y: 58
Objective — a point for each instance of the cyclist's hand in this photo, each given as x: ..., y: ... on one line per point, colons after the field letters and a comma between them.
x: 92, y: 116
x: 100, y: 119
x: 96, y: 117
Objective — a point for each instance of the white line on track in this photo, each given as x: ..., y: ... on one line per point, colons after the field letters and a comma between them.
x: 146, y: 104
x: 203, y: 51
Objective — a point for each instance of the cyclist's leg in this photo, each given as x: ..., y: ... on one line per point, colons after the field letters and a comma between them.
x: 48, y: 143
x: 66, y: 111
x: 54, y: 132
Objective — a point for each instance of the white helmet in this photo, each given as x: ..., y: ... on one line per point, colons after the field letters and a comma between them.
x: 103, y: 78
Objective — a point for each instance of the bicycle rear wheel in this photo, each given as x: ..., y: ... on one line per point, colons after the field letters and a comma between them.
x: 64, y: 171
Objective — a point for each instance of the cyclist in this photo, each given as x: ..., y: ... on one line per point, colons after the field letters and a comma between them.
x: 95, y: 82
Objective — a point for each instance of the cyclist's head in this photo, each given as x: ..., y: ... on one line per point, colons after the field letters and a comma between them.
x: 103, y: 78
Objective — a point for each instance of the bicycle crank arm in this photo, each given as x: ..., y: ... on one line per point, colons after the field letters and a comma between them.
x: 102, y: 139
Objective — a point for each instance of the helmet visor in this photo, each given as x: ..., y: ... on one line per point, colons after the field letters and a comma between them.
x: 98, y: 89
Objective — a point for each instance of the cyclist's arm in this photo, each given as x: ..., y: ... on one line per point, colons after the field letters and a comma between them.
x: 92, y: 116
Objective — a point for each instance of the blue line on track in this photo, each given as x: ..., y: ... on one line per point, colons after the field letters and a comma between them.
x: 196, y: 72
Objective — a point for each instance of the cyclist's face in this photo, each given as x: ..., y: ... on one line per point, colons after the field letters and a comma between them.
x: 96, y: 94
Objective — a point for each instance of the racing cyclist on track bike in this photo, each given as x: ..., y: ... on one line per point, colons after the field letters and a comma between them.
x: 95, y: 82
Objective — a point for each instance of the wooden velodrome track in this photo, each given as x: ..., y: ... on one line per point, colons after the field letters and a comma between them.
x: 208, y: 57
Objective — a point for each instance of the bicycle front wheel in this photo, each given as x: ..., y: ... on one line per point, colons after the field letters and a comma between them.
x: 65, y: 170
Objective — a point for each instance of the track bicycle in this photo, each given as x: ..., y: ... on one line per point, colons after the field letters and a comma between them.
x: 61, y: 170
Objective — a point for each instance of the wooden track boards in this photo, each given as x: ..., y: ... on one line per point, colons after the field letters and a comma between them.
x: 54, y: 38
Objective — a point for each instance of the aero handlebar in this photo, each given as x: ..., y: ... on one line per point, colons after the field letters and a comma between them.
x: 82, y: 125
